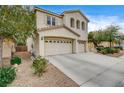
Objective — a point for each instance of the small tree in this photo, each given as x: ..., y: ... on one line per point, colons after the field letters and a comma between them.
x: 96, y: 37
x: 16, y: 23
x: 6, y: 28
x: 110, y: 34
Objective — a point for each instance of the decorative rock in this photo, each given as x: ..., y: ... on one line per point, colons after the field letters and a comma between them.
x: 16, y: 67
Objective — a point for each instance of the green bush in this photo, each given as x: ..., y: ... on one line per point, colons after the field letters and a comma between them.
x: 39, y: 65
x: 15, y: 60
x: 108, y: 50
x: 104, y: 51
x: 116, y: 50
x: 119, y: 47
x: 7, y: 75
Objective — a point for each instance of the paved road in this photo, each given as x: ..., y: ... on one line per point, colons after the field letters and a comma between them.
x: 91, y: 69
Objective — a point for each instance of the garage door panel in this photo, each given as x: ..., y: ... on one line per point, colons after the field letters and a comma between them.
x: 58, y: 46
x: 80, y: 47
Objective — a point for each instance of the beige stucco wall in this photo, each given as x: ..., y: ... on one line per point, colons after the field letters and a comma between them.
x: 7, y: 45
x: 76, y: 16
x: 41, y: 20
x: 29, y: 44
x: 60, y: 32
x: 105, y: 44
x: 36, y: 46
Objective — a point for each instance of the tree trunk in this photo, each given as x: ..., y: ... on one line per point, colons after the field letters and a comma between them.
x: 110, y: 44
x: 110, y: 41
x: 1, y: 51
x: 95, y: 44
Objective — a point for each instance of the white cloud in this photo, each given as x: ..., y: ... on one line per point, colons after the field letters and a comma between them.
x: 100, y: 22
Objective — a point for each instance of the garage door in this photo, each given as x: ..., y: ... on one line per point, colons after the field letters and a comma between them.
x: 81, y: 47
x: 54, y: 46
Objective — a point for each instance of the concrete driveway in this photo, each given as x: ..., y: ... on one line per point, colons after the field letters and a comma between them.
x: 92, y: 70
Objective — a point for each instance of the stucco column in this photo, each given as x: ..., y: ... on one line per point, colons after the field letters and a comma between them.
x: 86, y: 46
x: 41, y: 44
x: 75, y: 46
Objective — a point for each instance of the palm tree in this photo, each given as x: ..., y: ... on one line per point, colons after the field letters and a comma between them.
x: 16, y: 23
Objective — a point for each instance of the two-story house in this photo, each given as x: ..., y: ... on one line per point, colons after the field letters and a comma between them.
x: 60, y: 33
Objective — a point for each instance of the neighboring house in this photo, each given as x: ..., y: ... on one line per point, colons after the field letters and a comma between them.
x: 59, y: 33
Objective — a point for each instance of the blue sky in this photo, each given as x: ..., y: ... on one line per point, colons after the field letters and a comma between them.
x: 100, y: 16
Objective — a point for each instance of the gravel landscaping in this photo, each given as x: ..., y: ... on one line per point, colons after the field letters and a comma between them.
x: 51, y: 78
x: 121, y: 53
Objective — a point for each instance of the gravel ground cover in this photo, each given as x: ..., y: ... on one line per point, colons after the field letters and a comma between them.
x: 53, y: 77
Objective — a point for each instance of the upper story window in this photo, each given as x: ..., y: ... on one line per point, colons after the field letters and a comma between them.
x: 48, y: 20
x: 83, y: 25
x: 72, y: 22
x: 78, y: 24
x: 51, y: 20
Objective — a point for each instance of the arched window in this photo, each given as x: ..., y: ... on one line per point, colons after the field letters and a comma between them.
x: 72, y: 22
x: 78, y: 24
x: 83, y: 25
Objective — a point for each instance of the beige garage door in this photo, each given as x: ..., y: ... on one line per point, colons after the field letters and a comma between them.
x: 54, y: 46
x: 81, y: 47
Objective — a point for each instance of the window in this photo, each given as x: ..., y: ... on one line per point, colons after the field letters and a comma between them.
x: 72, y: 22
x: 83, y: 26
x: 48, y: 20
x: 46, y: 41
x: 61, y: 41
x: 51, y: 20
x: 54, y: 41
x: 78, y: 24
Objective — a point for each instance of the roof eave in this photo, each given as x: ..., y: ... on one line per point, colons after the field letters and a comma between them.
x: 48, y: 12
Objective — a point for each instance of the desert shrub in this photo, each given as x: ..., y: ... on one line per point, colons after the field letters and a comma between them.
x: 39, y: 65
x: 7, y: 75
x: 99, y: 48
x: 15, y: 60
x: 113, y: 50
x: 108, y: 50
x: 119, y: 47
x: 104, y: 51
